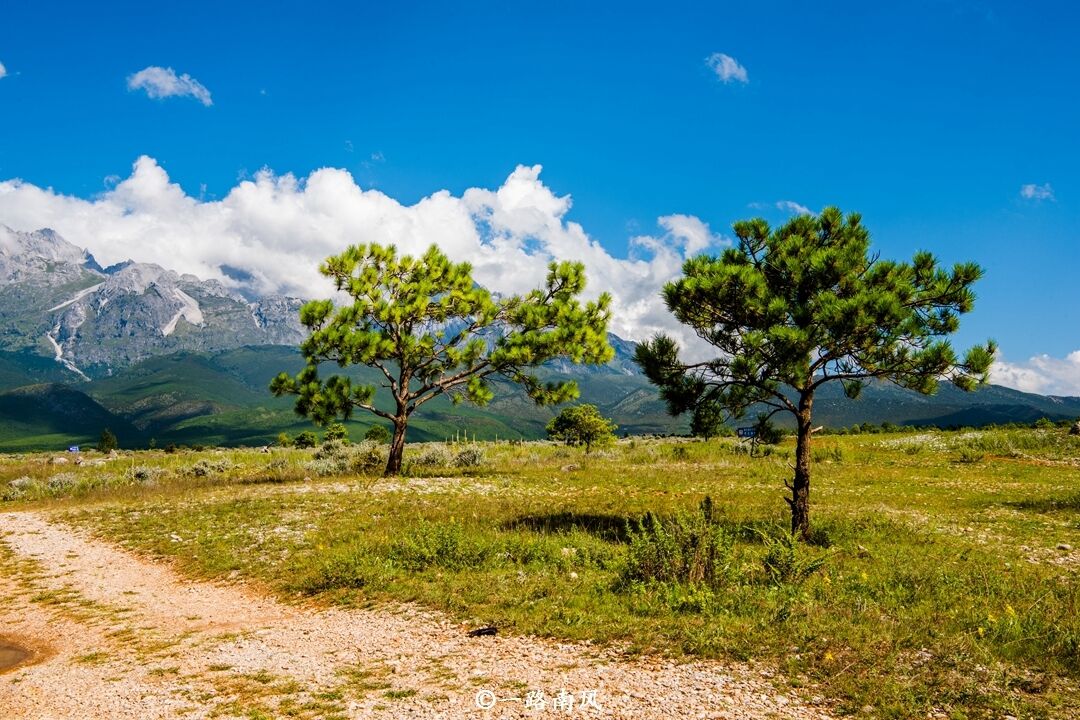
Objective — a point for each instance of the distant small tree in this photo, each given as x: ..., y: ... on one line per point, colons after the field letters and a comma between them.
x: 306, y: 439
x: 107, y: 442
x: 806, y: 304
x: 431, y: 330
x: 378, y: 433
x: 582, y: 425
x: 708, y: 420
x: 283, y: 439
x: 336, y: 431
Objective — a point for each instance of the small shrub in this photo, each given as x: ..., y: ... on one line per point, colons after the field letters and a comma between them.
x: 283, y: 440
x: 306, y: 439
x: 680, y: 453
x: 62, y: 482
x: 470, y: 457
x: 434, y: 456
x: 145, y: 474
x: 339, y: 458
x: 277, y: 470
x: 206, y: 467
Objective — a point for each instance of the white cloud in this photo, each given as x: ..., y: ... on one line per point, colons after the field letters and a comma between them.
x: 279, y: 227
x: 159, y: 82
x: 793, y: 207
x: 3, y: 70
x: 1041, y: 374
x: 789, y: 206
x: 727, y: 68
x: 1031, y: 191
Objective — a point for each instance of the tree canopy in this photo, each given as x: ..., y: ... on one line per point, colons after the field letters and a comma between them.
x: 792, y: 308
x: 430, y: 330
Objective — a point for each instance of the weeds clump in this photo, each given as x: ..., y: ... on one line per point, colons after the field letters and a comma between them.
x: 788, y: 561
x: 687, y: 548
x: 830, y: 453
x: 970, y: 455
x: 446, y: 545
x: 20, y: 488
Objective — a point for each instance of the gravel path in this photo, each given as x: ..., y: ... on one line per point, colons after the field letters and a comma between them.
x: 118, y: 636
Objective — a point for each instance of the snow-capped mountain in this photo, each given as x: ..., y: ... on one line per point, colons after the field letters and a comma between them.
x: 55, y: 299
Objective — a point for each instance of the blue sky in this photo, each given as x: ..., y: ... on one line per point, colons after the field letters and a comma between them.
x: 929, y: 118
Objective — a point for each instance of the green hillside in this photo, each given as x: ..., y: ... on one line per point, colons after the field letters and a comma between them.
x: 51, y: 416
x: 222, y: 399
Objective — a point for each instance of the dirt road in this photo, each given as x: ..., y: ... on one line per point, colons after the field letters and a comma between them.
x: 118, y: 636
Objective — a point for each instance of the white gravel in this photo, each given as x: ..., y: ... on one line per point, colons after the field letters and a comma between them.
x: 118, y: 636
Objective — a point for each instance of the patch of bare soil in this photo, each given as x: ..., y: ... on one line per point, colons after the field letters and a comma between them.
x: 118, y: 636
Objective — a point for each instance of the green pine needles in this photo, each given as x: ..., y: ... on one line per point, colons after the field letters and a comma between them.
x: 431, y: 330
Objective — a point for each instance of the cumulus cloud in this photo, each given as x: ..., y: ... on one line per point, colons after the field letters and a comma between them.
x: 277, y: 228
x: 1031, y: 191
x: 3, y: 70
x: 1041, y: 374
x: 159, y: 82
x: 727, y: 68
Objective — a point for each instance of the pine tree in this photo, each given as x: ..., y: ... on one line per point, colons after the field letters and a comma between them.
x: 431, y: 331
x: 805, y: 304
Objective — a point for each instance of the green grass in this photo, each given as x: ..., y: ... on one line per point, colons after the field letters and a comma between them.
x: 935, y: 583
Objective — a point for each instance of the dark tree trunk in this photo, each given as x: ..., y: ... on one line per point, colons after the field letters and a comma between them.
x: 397, y: 447
x: 800, y: 489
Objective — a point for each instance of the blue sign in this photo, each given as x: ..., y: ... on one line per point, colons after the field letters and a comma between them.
x: 746, y: 432
x: 73, y: 448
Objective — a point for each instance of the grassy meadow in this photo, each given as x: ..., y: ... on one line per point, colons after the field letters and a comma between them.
x: 942, y: 580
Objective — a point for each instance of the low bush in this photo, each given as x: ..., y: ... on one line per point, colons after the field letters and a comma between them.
x: 470, y: 457
x: 145, y: 474
x: 433, y: 456
x: 340, y: 458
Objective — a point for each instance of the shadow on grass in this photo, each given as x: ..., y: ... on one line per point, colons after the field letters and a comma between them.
x: 1045, y: 505
x: 613, y: 528
x: 618, y: 528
